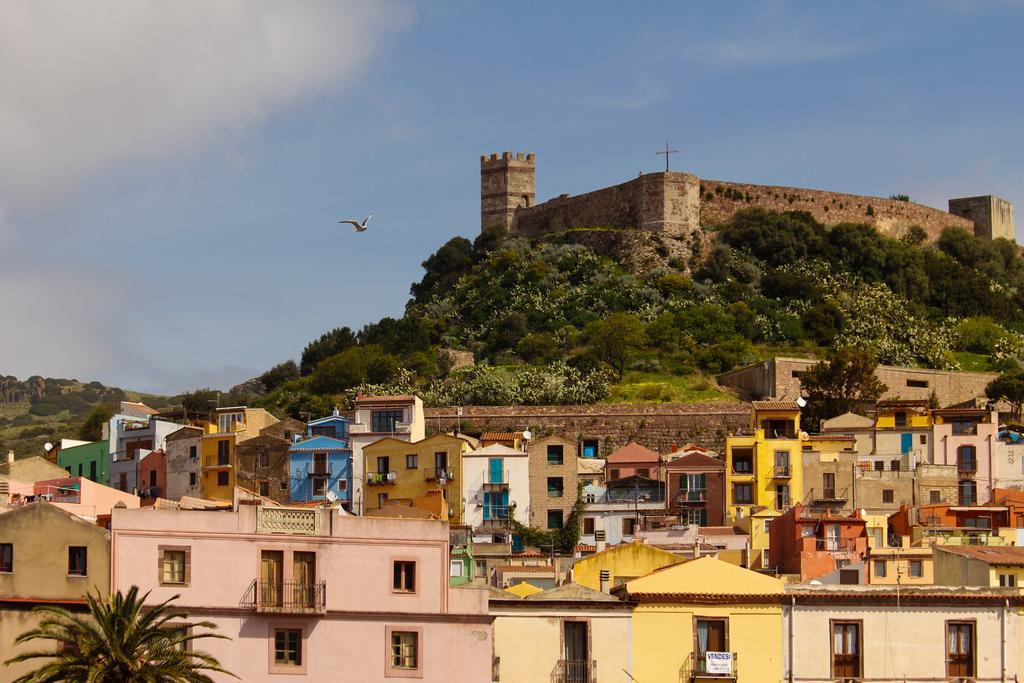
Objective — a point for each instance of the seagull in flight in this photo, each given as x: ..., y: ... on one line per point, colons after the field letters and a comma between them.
x: 360, y: 227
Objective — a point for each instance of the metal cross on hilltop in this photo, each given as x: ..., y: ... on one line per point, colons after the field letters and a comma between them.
x: 666, y: 153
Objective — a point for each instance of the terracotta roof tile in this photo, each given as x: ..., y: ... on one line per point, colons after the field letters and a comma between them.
x: 720, y: 531
x: 775, y: 405
x: 1001, y: 555
x: 830, y: 437
x: 501, y: 436
x: 525, y: 569
x: 633, y: 452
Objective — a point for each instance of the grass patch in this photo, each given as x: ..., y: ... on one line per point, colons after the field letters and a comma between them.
x: 973, y: 362
x: 648, y: 387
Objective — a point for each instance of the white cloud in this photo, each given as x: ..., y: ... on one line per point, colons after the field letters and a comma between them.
x: 91, y: 84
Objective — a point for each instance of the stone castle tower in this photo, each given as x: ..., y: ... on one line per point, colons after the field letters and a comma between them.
x: 507, y: 182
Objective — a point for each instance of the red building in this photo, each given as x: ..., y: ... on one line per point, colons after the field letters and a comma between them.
x: 695, y: 486
x: 152, y: 477
x: 812, y: 545
x: 632, y: 459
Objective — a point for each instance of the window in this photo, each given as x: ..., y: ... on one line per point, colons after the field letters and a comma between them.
x: 613, y: 474
x: 381, y: 499
x: 78, y: 564
x: 555, y: 455
x: 122, y: 482
x: 917, y: 383
x: 412, y: 461
x: 319, y: 483
x: 960, y: 648
x: 935, y: 496
x: 322, y: 430
x: 901, y: 419
x: 1007, y: 581
x: 556, y: 488
x: 696, y: 515
x: 742, y: 461
x: 966, y: 459
x: 223, y: 452
x: 456, y: 568
x: 846, y: 649
x: 879, y: 466
x: 385, y: 420
x: 79, y: 469
x: 383, y: 464
x: 894, y: 466
x: 263, y: 458
x: 588, y: 525
x: 174, y: 566
x: 782, y: 500
x: 589, y: 448
x: 405, y: 648
x: 403, y: 578
x: 192, y: 453
x: 192, y: 479
x: 924, y: 439
x: 781, y: 464
x: 554, y: 519
x: 644, y: 472
x: 628, y: 526
x: 92, y: 471
x: 879, y: 568
x: 828, y: 485
x: 152, y: 477
x: 806, y: 531
x: 887, y: 495
x: 342, y: 485
x: 264, y: 487
x: 967, y: 491
x: 287, y: 647
x: 767, y: 525
x: 916, y: 568
x: 765, y: 558
x: 742, y: 494
x: 222, y: 479
x: 710, y: 635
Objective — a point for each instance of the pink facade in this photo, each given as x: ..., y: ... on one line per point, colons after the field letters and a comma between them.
x: 968, y: 438
x: 310, y: 594
x: 152, y: 476
x: 83, y: 497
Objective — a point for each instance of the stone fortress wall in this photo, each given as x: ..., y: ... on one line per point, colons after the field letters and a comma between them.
x: 679, y: 204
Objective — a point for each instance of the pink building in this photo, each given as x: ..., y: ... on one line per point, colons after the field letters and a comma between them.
x: 81, y: 496
x: 152, y: 476
x: 969, y: 439
x: 311, y: 594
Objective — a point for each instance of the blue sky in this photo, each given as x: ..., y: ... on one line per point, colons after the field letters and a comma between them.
x: 170, y: 180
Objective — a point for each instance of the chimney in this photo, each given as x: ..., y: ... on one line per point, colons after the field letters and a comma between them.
x: 10, y: 456
x: 606, y: 581
x: 599, y: 540
x: 336, y: 412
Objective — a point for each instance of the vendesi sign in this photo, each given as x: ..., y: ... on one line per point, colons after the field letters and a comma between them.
x: 718, y: 662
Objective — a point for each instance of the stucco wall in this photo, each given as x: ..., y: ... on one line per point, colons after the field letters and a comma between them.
x: 475, y: 471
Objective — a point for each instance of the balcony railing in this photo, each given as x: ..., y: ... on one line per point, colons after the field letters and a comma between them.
x: 696, y: 668
x: 829, y: 495
x: 438, y: 474
x: 691, y: 496
x: 836, y: 545
x: 574, y: 671
x: 381, y: 478
x: 496, y: 480
x: 967, y: 465
x: 318, y: 468
x: 743, y: 471
x: 782, y: 472
x: 497, y: 516
x: 286, y: 597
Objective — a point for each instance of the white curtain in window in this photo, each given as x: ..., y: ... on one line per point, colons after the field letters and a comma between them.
x: 702, y: 636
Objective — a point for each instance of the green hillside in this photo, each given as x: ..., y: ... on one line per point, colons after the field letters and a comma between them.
x: 550, y: 321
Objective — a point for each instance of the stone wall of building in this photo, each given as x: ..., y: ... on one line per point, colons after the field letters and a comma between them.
x: 721, y: 200
x: 659, y: 426
x: 992, y: 216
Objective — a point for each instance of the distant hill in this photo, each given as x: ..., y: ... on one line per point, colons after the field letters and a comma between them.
x: 40, y: 409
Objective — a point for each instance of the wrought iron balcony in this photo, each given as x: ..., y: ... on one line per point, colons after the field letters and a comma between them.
x: 442, y: 474
x: 823, y: 496
x: 495, y: 481
x: 381, y: 478
x: 696, y: 668
x: 691, y: 496
x: 319, y: 468
x: 286, y: 597
x: 967, y: 465
x: 497, y: 516
x: 782, y: 472
x: 574, y: 671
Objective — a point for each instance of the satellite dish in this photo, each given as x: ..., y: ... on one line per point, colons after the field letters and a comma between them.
x: 800, y: 401
x: 527, y: 435
x: 332, y: 496
x: 48, y: 447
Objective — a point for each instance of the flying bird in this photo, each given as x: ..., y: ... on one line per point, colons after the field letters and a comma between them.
x: 360, y: 227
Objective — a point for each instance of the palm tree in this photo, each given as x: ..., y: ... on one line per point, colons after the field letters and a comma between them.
x: 119, y: 641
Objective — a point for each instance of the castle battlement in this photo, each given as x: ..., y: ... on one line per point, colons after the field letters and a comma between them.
x: 679, y: 204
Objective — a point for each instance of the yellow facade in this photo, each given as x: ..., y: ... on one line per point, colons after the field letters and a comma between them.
x: 775, y: 472
x: 623, y: 562
x: 902, y: 566
x: 756, y: 525
x: 886, y: 415
x: 219, y: 464
x: 401, y: 470
x: 672, y: 601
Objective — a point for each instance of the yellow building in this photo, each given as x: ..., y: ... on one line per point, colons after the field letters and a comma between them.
x: 396, y: 469
x: 903, y: 566
x: 228, y: 427
x: 688, y: 610
x: 623, y: 563
x: 765, y: 470
x: 972, y: 565
x: 566, y: 634
x: 756, y: 525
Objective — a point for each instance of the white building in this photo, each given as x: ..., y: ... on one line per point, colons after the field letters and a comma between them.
x: 495, y: 487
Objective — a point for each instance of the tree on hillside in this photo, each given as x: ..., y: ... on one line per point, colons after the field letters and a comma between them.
x: 444, y: 267
x: 838, y: 385
x: 120, y: 640
x: 330, y: 344
x: 352, y: 367
x: 91, y: 428
x: 614, y: 339
x: 1008, y: 387
x: 279, y: 374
